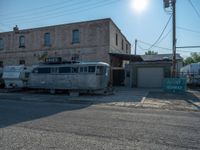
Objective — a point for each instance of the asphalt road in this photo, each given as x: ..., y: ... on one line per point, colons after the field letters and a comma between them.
x: 41, y: 126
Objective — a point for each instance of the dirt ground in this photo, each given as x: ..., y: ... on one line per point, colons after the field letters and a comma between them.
x: 189, y: 100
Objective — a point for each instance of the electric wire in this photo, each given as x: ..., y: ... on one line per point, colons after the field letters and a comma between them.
x: 57, y: 10
x: 77, y: 10
x: 163, y: 48
x: 165, y: 36
x: 161, y: 33
x: 187, y: 29
x: 37, y: 8
x: 198, y: 14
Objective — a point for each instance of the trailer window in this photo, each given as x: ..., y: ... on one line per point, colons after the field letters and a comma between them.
x: 74, y: 69
x: 27, y: 74
x: 65, y: 70
x: 91, y: 69
x: 100, y: 70
x: 54, y: 70
x: 41, y: 70
x: 83, y: 69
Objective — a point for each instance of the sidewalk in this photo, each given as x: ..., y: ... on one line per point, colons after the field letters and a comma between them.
x: 123, y: 97
x: 173, y: 101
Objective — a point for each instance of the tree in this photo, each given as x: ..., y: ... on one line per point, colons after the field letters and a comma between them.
x: 194, y: 58
x: 151, y: 53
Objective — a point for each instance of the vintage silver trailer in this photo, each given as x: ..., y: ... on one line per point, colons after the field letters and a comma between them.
x: 77, y: 76
x: 16, y: 76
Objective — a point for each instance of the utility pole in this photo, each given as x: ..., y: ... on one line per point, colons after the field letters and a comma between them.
x: 135, y: 46
x: 174, y: 38
x: 172, y: 4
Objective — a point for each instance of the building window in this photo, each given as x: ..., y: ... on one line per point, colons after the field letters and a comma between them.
x: 127, y: 48
x: 22, y: 62
x: 21, y: 41
x: 116, y: 39
x: 75, y: 57
x: 75, y: 36
x: 47, y: 40
x: 1, y: 63
x: 122, y: 44
x: 1, y: 44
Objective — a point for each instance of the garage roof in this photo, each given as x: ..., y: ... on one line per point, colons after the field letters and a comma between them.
x: 160, y: 57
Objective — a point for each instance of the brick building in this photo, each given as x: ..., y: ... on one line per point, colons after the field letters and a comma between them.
x: 95, y: 40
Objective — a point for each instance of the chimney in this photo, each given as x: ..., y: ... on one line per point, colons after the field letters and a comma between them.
x: 16, y: 29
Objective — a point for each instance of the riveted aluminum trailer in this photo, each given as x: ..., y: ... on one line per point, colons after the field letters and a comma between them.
x: 82, y: 76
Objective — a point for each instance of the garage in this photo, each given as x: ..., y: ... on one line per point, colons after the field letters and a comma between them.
x: 150, y: 77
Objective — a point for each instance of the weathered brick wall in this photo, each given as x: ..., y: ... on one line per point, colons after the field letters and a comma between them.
x: 117, y: 48
x: 94, y: 43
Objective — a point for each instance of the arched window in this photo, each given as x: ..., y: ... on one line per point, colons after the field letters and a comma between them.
x: 75, y: 36
x: 47, y: 40
x: 21, y: 41
x: 1, y: 44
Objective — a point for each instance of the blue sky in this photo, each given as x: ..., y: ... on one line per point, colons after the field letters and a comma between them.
x: 145, y: 26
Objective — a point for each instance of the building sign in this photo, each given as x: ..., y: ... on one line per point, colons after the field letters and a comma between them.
x: 175, y: 84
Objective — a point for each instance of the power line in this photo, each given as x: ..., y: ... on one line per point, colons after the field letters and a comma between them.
x: 40, y: 11
x: 161, y: 33
x: 165, y: 36
x: 154, y: 45
x: 189, y: 30
x: 77, y: 10
x: 37, y: 8
x: 198, y: 14
x: 57, y: 11
x: 163, y: 48
x: 188, y: 47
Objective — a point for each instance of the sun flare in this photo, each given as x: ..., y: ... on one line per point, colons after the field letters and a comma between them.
x: 139, y: 5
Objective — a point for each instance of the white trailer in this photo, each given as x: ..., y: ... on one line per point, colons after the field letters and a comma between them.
x: 16, y: 76
x: 192, y: 72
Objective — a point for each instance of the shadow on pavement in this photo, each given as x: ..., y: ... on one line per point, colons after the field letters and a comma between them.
x: 13, y: 112
x: 16, y: 107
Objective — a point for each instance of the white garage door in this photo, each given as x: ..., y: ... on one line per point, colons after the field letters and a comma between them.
x: 150, y: 77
